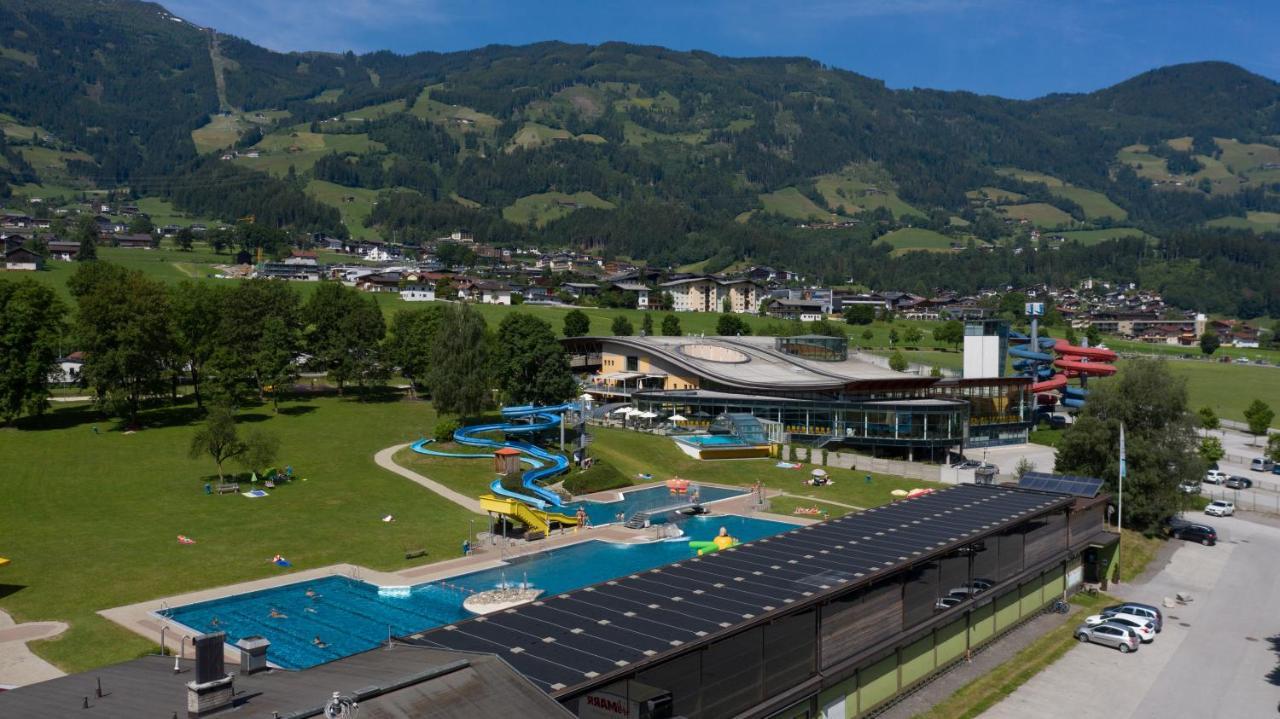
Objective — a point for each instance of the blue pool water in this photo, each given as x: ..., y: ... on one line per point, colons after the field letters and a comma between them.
x: 350, y: 616
x: 713, y: 440
x: 648, y: 499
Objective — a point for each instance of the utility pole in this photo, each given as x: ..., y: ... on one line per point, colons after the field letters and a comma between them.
x: 1120, y: 509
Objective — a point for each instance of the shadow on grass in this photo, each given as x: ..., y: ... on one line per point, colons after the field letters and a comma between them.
x: 61, y: 418
x: 7, y: 589
x: 374, y: 395
x: 296, y: 411
x: 251, y: 418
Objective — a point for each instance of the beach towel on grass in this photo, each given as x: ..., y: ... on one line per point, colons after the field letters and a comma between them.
x: 254, y: 493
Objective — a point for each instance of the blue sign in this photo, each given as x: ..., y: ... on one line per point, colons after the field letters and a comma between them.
x: 1035, y: 309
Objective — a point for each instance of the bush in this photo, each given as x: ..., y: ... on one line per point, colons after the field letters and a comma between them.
x: 598, y: 478
x: 444, y: 429
x: 897, y: 362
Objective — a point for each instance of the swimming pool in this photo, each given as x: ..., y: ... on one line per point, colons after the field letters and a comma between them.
x: 649, y: 499
x: 712, y: 440
x: 351, y: 616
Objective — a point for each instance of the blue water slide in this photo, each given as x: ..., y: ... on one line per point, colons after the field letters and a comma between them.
x: 1028, y: 354
x: 1076, y: 392
x: 1072, y: 402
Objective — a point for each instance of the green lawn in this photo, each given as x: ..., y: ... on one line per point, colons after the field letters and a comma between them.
x: 786, y: 506
x: 847, y: 189
x: 916, y: 238
x: 90, y: 520
x: 221, y: 131
x: 790, y: 203
x: 1093, y: 237
x: 298, y: 148
x: 1030, y: 176
x: 1256, y: 221
x: 995, y: 194
x: 546, y: 206
x: 1095, y: 204
x: 353, y: 203
x: 1229, y: 388
x: 1039, y: 214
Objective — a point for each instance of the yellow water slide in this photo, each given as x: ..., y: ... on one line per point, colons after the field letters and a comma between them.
x: 535, y: 519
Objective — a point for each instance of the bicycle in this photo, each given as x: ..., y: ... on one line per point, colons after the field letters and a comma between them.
x: 1060, y: 607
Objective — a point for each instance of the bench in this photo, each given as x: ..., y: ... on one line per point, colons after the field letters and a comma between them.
x: 228, y: 488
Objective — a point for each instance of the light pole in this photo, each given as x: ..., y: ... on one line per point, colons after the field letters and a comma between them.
x: 1120, y: 509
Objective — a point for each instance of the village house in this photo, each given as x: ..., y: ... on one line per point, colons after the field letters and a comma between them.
x: 21, y: 258
x: 788, y: 309
x: 641, y: 292
x: 707, y: 293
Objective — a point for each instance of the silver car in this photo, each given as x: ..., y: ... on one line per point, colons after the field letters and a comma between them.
x: 1111, y: 635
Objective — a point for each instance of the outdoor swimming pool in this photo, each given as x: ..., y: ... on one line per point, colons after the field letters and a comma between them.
x: 648, y: 499
x: 712, y: 440
x: 350, y: 616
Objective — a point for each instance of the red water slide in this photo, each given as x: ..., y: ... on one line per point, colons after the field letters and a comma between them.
x: 1072, y: 352
x: 1055, y: 382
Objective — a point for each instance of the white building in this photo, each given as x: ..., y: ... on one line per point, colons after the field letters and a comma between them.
x: 418, y: 292
x: 707, y: 294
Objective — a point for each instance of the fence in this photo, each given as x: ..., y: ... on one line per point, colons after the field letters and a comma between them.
x: 1252, y: 501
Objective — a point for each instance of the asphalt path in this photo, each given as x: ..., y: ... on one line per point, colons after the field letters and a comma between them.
x: 1218, y: 656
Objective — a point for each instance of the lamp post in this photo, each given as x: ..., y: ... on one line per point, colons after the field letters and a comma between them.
x: 1120, y: 509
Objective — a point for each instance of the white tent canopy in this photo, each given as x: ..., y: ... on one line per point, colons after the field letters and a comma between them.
x: 678, y: 418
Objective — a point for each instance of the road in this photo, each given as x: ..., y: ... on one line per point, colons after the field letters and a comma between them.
x: 1218, y: 656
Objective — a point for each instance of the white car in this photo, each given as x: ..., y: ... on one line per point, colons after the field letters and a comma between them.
x: 1220, y: 508
x: 1215, y: 476
x: 1141, y: 626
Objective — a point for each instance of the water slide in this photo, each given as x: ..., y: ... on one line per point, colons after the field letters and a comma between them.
x: 543, y: 464
x: 535, y: 519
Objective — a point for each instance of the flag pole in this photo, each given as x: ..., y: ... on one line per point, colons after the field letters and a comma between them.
x: 1120, y: 509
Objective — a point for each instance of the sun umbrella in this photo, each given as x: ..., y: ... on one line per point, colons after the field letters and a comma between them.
x: 646, y: 415
x: 3, y: 561
x: 678, y: 418
x: 819, y: 473
x: 622, y: 410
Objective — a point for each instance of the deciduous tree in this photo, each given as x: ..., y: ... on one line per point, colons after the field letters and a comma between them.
x: 531, y: 367
x: 622, y: 327
x: 1209, y: 343
x: 1162, y: 444
x: 576, y: 324
x: 1258, y: 416
x: 671, y: 326
x: 460, y: 372
x: 217, y: 437
x: 32, y: 321
x: 408, y: 345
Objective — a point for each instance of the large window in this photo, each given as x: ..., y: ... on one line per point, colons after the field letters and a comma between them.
x: 682, y: 677
x: 860, y: 619
x: 731, y: 674
x: 1010, y: 552
x: 985, y: 562
x: 920, y: 593
x: 1046, y: 537
x: 790, y: 652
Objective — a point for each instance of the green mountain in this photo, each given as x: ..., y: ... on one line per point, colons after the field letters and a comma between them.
x: 644, y: 152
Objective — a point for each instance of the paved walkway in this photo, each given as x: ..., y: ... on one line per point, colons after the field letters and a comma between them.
x: 18, y: 665
x: 386, y: 459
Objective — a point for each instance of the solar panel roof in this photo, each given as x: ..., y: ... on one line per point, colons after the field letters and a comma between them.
x: 567, y: 640
x: 1061, y: 483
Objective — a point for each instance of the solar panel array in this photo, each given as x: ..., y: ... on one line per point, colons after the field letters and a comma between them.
x: 1061, y: 483
x: 567, y: 640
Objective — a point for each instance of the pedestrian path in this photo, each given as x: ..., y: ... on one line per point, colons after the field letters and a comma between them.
x: 18, y: 664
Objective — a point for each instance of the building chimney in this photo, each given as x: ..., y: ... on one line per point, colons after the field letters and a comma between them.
x: 212, y: 688
x: 253, y: 654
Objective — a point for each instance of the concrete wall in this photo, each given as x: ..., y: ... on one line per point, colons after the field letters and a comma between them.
x: 863, y: 463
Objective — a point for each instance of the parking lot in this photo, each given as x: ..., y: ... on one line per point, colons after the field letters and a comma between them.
x: 1217, y: 656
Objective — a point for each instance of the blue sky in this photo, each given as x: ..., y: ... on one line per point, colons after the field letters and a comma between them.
x: 1014, y: 48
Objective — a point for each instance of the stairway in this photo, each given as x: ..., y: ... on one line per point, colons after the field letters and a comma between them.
x: 637, y: 520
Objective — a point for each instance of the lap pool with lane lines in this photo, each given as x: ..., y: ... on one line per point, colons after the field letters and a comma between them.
x: 351, y: 616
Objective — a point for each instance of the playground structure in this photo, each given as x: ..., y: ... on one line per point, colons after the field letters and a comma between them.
x: 531, y: 506
x: 1050, y: 374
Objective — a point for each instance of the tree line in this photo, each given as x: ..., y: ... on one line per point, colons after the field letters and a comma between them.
x: 249, y: 341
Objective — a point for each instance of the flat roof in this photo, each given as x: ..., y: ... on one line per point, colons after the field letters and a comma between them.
x: 403, y: 683
x: 756, y: 365
x: 578, y: 638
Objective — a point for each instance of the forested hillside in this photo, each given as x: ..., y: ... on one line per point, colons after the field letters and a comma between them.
x: 677, y: 158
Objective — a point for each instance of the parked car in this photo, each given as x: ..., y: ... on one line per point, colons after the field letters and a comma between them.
x: 1238, y: 482
x: 1138, y: 609
x: 1190, y: 487
x: 947, y: 602
x: 1111, y: 635
x: 1262, y: 464
x: 1275, y: 469
x: 1215, y: 476
x: 1145, y: 628
x: 1220, y: 508
x: 1201, y: 533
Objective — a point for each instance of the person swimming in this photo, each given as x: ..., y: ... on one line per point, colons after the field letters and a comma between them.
x: 311, y: 593
x: 215, y: 622
x: 319, y: 643
x: 277, y: 614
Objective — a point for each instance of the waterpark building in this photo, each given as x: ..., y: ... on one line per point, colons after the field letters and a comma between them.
x: 827, y: 620
x: 809, y: 388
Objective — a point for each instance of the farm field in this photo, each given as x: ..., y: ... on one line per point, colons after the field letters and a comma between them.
x: 1256, y: 221
x: 353, y: 203
x: 1095, y: 204
x: 1039, y: 214
x: 300, y: 149
x: 846, y: 190
x: 1093, y: 237
x: 916, y: 238
x: 546, y: 206
x: 67, y: 488
x: 791, y: 203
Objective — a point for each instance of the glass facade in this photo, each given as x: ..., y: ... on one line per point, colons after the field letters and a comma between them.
x: 814, y: 347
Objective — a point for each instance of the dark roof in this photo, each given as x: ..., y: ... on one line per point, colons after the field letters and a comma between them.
x: 582, y: 637
x: 1062, y: 484
x: 401, y: 683
x: 22, y: 254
